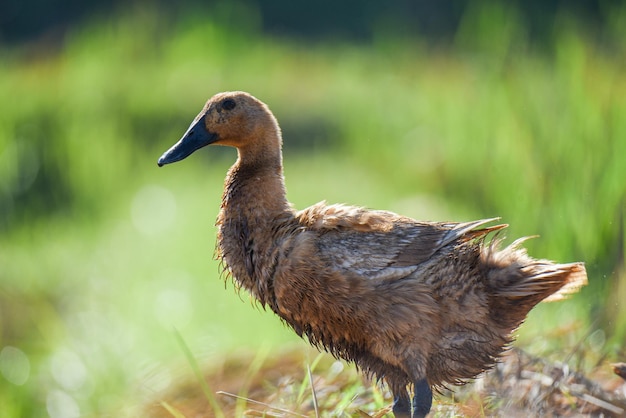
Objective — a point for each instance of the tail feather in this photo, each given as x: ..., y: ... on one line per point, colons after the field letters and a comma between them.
x: 518, y: 282
x: 576, y: 278
x: 513, y: 274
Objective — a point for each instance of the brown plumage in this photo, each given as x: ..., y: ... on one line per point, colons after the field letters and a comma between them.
x: 414, y: 303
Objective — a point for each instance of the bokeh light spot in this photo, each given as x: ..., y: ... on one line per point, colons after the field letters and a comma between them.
x: 14, y: 365
x: 61, y: 405
x: 68, y: 369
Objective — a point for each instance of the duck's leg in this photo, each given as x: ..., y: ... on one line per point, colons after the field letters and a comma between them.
x: 422, y: 398
x: 401, y: 403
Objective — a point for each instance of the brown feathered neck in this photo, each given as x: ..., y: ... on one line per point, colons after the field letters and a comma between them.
x: 253, y: 213
x: 254, y: 189
x: 255, y: 183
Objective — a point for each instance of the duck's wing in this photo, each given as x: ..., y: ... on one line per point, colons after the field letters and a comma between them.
x: 379, y: 244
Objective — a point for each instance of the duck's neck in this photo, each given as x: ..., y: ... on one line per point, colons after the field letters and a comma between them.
x: 254, y: 211
x: 256, y: 188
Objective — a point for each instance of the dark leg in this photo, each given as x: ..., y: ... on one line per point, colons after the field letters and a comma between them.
x: 401, y: 403
x: 422, y: 399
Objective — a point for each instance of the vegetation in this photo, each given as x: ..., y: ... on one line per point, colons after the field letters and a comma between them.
x: 103, y: 255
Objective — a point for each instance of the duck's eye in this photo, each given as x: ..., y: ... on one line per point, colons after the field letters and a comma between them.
x: 228, y: 104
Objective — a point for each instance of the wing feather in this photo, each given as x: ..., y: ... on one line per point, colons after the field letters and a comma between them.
x: 380, y: 244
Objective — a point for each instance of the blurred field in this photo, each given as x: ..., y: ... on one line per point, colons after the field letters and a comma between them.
x: 102, y: 255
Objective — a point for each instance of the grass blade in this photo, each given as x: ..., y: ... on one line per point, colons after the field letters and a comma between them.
x: 255, y: 366
x: 248, y: 400
x: 313, y: 394
x: 175, y: 412
x: 196, y: 370
x: 304, y: 383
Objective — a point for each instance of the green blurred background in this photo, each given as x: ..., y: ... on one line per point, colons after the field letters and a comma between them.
x: 455, y: 111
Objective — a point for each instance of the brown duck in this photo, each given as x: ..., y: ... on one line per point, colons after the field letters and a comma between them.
x: 418, y: 304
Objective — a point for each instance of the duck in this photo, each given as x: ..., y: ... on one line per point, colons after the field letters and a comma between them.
x: 417, y: 305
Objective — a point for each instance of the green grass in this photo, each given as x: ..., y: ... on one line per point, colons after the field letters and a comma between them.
x: 208, y: 392
x: 103, y: 255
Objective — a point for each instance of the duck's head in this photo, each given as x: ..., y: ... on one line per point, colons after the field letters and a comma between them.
x: 234, y: 119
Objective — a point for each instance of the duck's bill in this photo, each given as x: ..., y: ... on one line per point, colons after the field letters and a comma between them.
x: 195, y: 138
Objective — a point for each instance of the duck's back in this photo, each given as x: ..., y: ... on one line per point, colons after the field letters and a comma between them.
x: 379, y: 244
x: 440, y: 290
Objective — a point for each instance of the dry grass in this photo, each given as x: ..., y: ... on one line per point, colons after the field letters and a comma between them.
x: 292, y: 384
x: 524, y: 385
